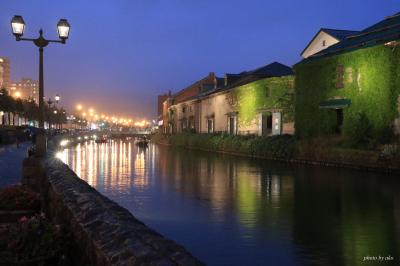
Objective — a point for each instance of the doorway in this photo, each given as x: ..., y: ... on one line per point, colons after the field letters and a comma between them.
x: 232, y: 123
x: 266, y: 123
x: 339, y: 121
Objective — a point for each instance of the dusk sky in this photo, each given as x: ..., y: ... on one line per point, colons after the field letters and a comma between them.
x: 123, y: 53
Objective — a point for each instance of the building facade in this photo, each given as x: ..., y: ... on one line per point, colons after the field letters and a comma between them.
x: 215, y: 113
x: 160, y: 107
x: 26, y: 89
x: 183, y: 112
x: 5, y: 73
x: 352, y: 85
x: 250, y: 102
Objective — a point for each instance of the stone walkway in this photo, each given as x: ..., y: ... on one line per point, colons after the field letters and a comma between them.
x: 11, y: 163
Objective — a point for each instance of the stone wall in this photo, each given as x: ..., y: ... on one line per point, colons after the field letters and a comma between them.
x: 105, y: 233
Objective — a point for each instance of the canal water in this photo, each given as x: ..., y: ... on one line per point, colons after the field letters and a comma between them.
x: 229, y: 210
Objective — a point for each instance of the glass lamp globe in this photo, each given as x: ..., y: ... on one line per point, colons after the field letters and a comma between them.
x: 63, y: 28
x: 18, y: 26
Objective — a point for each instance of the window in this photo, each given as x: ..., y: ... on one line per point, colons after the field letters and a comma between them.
x: 183, y: 109
x: 184, y: 124
x: 268, y: 92
x: 190, y: 109
x: 191, y: 122
x: 323, y: 43
x: 210, y: 125
x: 340, y: 77
x: 349, y: 75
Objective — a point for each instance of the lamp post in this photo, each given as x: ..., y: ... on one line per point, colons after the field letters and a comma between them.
x: 49, y: 103
x: 63, y: 28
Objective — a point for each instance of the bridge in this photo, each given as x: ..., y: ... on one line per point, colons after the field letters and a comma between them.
x: 114, y: 134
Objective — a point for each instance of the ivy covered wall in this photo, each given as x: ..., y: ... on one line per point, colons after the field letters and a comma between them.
x: 368, y: 77
x: 276, y: 92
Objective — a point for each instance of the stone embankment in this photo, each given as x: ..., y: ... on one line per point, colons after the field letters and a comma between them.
x: 105, y: 233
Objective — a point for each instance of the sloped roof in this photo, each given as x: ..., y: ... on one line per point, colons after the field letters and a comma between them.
x: 202, y: 84
x: 220, y: 82
x: 339, y: 35
x: 382, y: 32
x: 274, y: 69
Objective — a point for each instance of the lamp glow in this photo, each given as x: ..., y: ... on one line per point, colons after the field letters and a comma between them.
x: 63, y: 29
x: 18, y: 26
x: 64, y: 142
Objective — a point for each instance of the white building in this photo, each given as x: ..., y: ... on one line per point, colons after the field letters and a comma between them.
x: 325, y: 38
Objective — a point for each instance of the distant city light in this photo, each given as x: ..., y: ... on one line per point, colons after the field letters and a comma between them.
x: 141, y: 124
x: 64, y: 142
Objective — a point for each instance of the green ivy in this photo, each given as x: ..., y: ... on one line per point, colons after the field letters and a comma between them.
x: 265, y: 93
x: 370, y: 82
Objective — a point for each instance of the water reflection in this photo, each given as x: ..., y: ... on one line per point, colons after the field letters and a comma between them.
x: 104, y: 164
x: 237, y: 211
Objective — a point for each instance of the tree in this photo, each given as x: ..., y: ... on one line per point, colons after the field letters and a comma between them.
x: 19, y: 107
x: 6, y: 103
x: 31, y: 110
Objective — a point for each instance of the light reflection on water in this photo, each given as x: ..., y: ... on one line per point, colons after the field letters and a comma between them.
x: 237, y: 211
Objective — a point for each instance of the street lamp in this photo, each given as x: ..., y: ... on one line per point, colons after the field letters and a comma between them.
x: 18, y: 28
x: 57, y: 98
x: 49, y: 103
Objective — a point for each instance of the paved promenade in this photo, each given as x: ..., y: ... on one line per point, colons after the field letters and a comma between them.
x: 11, y: 163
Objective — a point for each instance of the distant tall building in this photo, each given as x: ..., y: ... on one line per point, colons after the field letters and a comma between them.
x: 26, y: 89
x: 5, y: 69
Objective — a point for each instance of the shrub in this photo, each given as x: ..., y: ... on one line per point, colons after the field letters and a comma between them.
x: 360, y: 132
x: 19, y: 198
x: 275, y: 146
x: 35, y: 241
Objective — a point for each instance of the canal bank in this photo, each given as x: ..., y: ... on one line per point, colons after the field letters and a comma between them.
x: 104, y: 232
x: 285, y: 148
